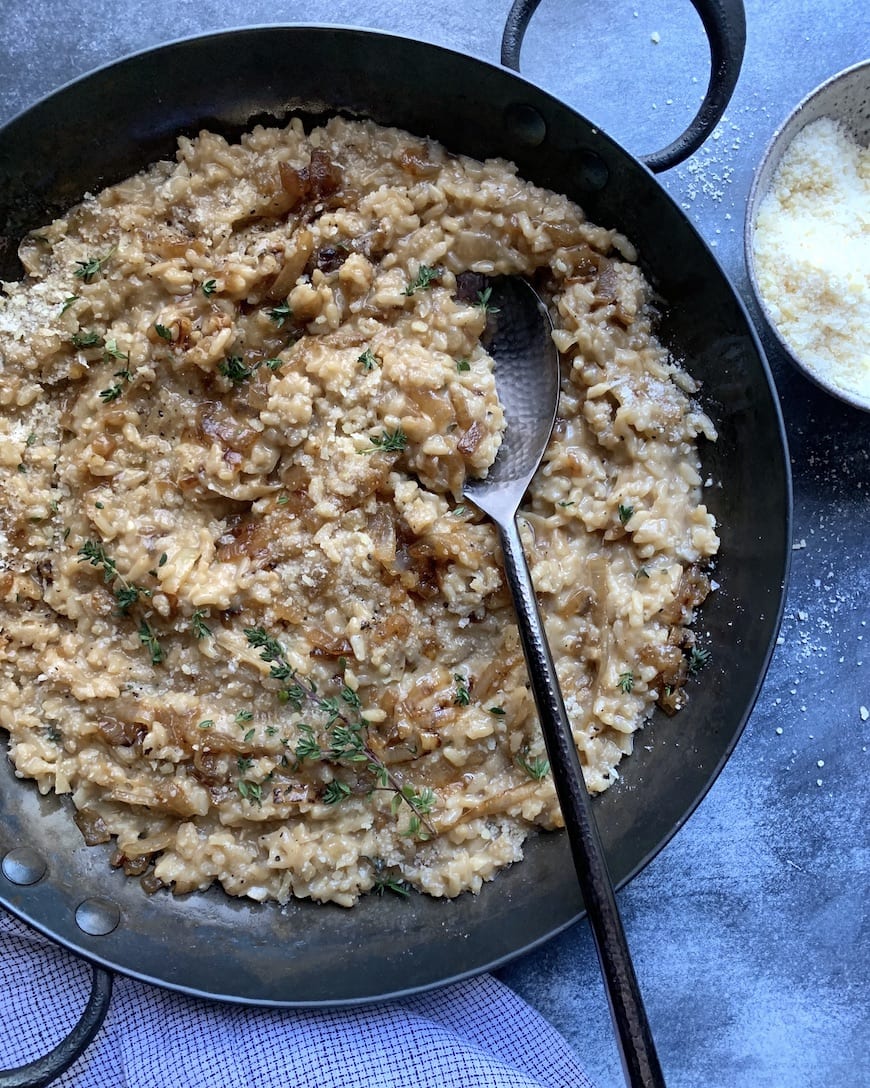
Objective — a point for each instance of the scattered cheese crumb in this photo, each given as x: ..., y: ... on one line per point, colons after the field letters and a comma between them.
x: 865, y: 713
x: 655, y: 37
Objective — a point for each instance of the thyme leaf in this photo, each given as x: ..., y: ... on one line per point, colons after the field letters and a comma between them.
x: 483, y: 302
x: 535, y: 768
x: 90, y: 268
x: 198, y: 625
x: 150, y: 642
x: 426, y: 276
x: 388, y: 441
x: 462, y: 696
x: 280, y: 314
x: 336, y: 792
x: 626, y: 682
x: 89, y: 339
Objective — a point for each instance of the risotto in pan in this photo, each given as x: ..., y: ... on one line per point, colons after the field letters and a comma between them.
x: 248, y: 622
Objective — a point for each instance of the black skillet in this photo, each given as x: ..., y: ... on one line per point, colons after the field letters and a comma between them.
x: 306, y: 955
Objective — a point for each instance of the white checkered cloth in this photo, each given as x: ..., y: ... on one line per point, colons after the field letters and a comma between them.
x: 475, y: 1034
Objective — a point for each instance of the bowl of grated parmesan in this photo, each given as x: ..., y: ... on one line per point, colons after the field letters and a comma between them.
x: 807, y: 235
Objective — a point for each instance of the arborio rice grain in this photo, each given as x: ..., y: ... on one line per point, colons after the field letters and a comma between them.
x: 248, y: 622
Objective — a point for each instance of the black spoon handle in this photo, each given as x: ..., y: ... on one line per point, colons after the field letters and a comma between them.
x: 639, y: 1059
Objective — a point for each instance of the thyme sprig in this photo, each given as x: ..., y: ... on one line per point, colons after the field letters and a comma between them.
x: 426, y: 276
x: 114, y: 391
x: 126, y: 593
x: 91, y: 267
x: 345, y: 740
x: 233, y: 367
x: 534, y: 767
x: 388, y: 441
x: 626, y: 513
x: 482, y: 301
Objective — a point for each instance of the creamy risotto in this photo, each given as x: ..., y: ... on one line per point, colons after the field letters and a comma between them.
x: 248, y: 622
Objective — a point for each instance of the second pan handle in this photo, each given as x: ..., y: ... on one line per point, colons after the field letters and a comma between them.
x: 725, y: 26
x: 43, y: 1071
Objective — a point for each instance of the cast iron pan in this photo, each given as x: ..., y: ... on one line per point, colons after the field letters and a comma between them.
x: 305, y: 954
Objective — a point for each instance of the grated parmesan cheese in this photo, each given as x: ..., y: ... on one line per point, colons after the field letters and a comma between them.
x: 812, y: 254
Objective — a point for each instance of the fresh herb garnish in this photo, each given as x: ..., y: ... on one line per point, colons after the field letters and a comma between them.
x: 162, y: 331
x: 426, y: 276
x: 280, y: 314
x: 463, y: 366
x: 234, y: 368
x: 368, y: 359
x: 307, y: 746
x: 150, y: 642
x: 698, y: 658
x: 112, y: 351
x: 389, y: 884
x: 499, y: 711
x: 114, y: 391
x: 206, y: 723
x: 483, y: 302
x: 344, y: 736
x: 335, y: 792
x: 95, y: 554
x: 625, y: 513
x: 388, y: 441
x: 534, y: 768
x: 251, y: 792
x: 462, y: 696
x: 209, y: 287
x: 90, y: 268
x: 89, y: 339
x: 198, y: 625
x: 67, y: 302
x: 626, y: 682
x: 126, y: 593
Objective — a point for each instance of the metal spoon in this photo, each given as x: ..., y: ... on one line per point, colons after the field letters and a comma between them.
x: 527, y: 379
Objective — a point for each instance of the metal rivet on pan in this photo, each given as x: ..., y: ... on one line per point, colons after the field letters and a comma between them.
x: 592, y: 171
x: 23, y: 866
x: 97, y: 916
x: 525, y: 124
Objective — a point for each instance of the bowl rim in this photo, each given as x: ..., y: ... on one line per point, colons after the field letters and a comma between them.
x: 768, y: 163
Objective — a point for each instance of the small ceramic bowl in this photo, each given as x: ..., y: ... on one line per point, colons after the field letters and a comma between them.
x: 845, y: 98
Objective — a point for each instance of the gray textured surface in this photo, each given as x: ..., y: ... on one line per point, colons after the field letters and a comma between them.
x: 750, y: 931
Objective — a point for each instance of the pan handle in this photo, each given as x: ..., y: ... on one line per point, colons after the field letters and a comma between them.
x: 725, y: 26
x: 42, y: 1071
